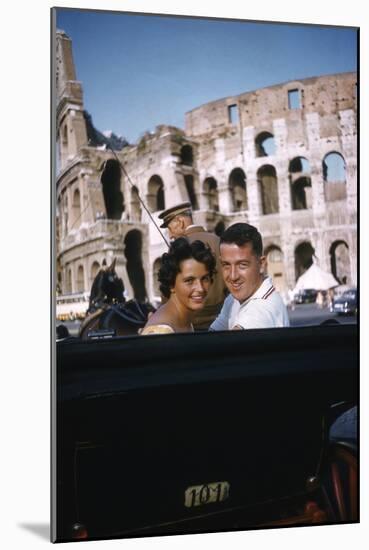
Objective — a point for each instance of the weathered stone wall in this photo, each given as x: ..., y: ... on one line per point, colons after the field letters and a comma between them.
x: 324, y: 95
x: 324, y: 123
x: 216, y: 150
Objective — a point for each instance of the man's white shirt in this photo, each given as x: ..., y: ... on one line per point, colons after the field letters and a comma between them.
x: 264, y: 309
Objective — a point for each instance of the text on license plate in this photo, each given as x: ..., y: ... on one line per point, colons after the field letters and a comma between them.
x: 199, y: 495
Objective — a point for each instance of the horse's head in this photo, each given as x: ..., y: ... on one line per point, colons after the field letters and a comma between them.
x: 107, y: 288
x: 112, y: 285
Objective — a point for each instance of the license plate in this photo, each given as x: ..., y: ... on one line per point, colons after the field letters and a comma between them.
x: 199, y: 495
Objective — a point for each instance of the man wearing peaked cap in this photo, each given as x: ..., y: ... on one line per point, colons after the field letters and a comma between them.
x: 178, y: 220
x: 183, y: 209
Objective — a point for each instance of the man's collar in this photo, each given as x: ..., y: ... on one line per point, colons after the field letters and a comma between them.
x: 194, y: 229
x: 263, y: 289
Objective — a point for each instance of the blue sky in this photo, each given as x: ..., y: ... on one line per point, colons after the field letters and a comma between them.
x: 139, y: 71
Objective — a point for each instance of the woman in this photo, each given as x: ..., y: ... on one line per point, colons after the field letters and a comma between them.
x: 185, y: 276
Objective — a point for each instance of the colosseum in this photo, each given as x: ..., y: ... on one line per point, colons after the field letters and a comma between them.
x: 283, y: 158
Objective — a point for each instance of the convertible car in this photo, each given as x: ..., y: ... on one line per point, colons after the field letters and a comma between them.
x: 183, y: 433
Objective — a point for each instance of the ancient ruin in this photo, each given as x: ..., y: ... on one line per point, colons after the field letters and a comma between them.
x: 283, y: 158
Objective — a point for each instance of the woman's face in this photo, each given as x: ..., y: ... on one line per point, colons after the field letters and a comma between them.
x: 192, y: 284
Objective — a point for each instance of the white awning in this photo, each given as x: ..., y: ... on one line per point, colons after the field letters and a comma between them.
x: 315, y: 278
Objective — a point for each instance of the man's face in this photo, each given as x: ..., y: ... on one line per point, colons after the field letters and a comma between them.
x: 243, y: 271
x: 176, y: 228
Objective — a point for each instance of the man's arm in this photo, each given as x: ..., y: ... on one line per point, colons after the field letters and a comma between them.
x: 254, y: 317
x: 221, y: 322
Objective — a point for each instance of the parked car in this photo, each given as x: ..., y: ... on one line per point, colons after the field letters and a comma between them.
x: 306, y: 296
x: 346, y: 303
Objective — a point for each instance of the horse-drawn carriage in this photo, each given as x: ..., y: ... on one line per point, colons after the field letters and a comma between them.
x: 189, y: 433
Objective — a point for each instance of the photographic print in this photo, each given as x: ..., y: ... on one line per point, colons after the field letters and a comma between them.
x: 205, y: 260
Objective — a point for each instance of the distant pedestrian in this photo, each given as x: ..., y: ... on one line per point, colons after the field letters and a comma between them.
x: 330, y: 297
x: 291, y: 299
x: 319, y: 299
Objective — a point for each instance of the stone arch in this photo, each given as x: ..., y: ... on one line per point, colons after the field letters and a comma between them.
x: 136, y: 211
x: 113, y: 196
x: 59, y: 282
x: 65, y: 216
x: 58, y: 155
x: 187, y: 155
x: 275, y: 267
x: 268, y: 189
x: 155, y: 194
x: 155, y: 274
x: 304, y: 253
x: 189, y: 182
x: 219, y: 228
x: 300, y: 183
x: 210, y: 189
x: 76, y: 209
x: 135, y: 271
x: 80, y: 283
x: 64, y: 144
x: 264, y: 144
x: 334, y: 176
x: 65, y: 136
x: 100, y: 164
x: 340, y: 261
x: 95, y: 268
x: 237, y: 187
x: 68, y: 282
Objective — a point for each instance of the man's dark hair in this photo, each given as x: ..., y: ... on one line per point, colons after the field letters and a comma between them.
x: 242, y: 233
x: 179, y: 251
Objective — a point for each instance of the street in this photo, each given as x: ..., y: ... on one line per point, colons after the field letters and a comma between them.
x: 311, y: 314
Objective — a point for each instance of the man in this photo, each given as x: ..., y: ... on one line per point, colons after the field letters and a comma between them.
x: 253, y: 301
x: 179, y: 222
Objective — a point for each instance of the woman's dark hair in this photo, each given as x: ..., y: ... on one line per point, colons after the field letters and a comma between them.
x: 181, y: 249
x: 242, y: 233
